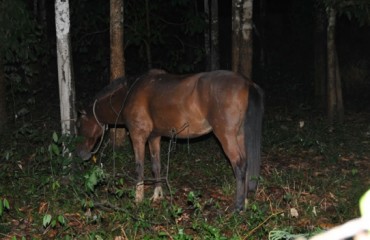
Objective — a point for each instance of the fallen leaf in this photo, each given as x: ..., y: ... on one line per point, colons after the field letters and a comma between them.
x: 294, y: 212
x: 43, y: 207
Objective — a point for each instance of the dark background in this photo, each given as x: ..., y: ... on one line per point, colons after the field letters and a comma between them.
x: 177, y: 45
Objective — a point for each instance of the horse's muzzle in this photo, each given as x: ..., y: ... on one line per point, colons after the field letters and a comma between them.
x: 83, y: 154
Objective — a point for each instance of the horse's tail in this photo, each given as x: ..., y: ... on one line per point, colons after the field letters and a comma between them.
x: 253, y: 135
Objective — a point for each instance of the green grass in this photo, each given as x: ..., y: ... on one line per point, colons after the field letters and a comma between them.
x: 313, y: 170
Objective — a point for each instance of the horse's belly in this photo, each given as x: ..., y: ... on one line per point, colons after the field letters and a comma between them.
x: 194, y: 130
x: 184, y: 128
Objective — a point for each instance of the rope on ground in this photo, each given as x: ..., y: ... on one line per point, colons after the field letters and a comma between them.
x: 260, y: 225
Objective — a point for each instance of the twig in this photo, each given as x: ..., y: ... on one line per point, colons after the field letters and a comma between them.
x: 260, y: 225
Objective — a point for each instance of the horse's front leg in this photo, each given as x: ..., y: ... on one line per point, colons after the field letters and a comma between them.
x: 155, y: 149
x: 139, y: 150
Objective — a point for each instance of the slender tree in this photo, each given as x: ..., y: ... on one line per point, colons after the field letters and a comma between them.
x: 242, y: 47
x: 353, y: 9
x: 320, y: 59
x: 207, y: 39
x: 117, y: 60
x: 235, y: 38
x: 64, y: 59
x: 334, y: 88
x: 211, y: 35
x: 148, y: 31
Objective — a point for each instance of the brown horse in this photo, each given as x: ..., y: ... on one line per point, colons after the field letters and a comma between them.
x: 161, y: 104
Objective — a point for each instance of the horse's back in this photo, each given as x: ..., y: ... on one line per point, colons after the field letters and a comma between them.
x: 190, y: 104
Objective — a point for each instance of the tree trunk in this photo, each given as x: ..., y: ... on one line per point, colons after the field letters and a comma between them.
x: 64, y: 59
x: 207, y: 39
x: 242, y: 49
x: 215, y: 57
x: 335, y: 101
x: 117, y: 64
x: 338, y: 90
x: 3, y: 112
x: 147, y: 41
x: 39, y: 11
x: 319, y: 53
x: 235, y: 38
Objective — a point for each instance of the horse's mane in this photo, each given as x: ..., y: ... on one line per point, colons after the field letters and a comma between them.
x: 121, y: 82
x: 112, y: 87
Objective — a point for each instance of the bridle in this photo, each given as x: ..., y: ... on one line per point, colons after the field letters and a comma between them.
x: 104, y: 128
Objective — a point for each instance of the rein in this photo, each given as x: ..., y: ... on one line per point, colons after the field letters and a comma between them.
x: 104, y: 127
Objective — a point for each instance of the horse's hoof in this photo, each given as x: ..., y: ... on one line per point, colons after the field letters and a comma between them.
x: 158, y: 195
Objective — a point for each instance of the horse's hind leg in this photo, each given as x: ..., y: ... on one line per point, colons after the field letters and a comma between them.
x: 155, y: 148
x: 233, y: 149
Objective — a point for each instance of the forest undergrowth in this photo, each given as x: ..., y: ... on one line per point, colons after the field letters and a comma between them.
x: 312, y: 177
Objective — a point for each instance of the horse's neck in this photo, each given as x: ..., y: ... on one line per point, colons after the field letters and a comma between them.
x: 111, y: 107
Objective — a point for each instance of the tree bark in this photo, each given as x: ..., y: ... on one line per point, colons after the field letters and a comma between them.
x: 335, y: 101
x: 117, y: 60
x: 331, y: 64
x: 242, y: 42
x: 211, y: 35
x: 235, y: 38
x: 3, y: 112
x: 64, y: 59
x: 338, y: 90
x: 319, y: 53
x: 207, y: 34
x: 246, y: 49
x: 215, y: 57
x: 147, y: 41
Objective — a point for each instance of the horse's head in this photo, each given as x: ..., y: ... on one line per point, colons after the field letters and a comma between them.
x: 90, y: 130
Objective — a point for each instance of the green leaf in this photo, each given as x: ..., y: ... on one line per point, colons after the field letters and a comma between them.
x: 1, y: 208
x: 55, y: 137
x: 53, y: 223
x: 61, y: 220
x: 55, y: 149
x: 6, y: 203
x: 92, y: 181
x: 46, y: 220
x: 98, y: 237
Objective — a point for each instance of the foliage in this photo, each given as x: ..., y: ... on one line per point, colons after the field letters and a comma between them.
x: 4, y: 205
x: 90, y: 37
x: 60, y: 153
x: 182, y: 51
x: 23, y: 51
x: 358, y: 10
x: 20, y: 34
x: 300, y: 172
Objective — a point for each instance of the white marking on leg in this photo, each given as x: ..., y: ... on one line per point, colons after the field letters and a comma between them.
x: 139, y: 194
x: 158, y: 194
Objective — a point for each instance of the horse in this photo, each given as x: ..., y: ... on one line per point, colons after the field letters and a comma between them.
x: 159, y: 104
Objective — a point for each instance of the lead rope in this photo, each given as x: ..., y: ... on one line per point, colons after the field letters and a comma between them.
x: 103, y: 126
x: 172, y: 147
